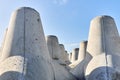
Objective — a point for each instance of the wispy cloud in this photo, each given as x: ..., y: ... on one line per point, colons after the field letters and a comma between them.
x: 72, y: 44
x: 60, y: 2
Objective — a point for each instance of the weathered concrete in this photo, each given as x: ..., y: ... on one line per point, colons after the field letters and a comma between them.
x: 74, y: 54
x: 13, y: 68
x: 103, y: 45
x: 53, y: 46
x: 25, y: 38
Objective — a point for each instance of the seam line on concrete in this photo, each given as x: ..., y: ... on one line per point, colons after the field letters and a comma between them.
x: 23, y: 47
x: 104, y: 46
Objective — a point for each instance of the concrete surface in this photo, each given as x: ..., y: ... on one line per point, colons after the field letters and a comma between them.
x: 12, y: 68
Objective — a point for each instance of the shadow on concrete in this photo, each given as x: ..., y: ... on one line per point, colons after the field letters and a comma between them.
x: 104, y: 73
x: 12, y: 75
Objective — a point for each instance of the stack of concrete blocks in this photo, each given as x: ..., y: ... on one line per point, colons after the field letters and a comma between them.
x: 101, y: 61
x: 25, y: 54
x: 81, y: 54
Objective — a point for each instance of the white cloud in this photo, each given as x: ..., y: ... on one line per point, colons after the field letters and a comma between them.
x: 60, y: 2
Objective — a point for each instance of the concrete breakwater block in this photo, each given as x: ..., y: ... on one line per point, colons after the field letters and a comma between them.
x: 103, y: 45
x: 25, y: 38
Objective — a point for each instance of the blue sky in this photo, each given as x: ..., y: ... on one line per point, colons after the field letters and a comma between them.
x: 69, y: 20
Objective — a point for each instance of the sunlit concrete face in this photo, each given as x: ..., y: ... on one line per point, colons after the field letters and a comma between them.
x: 25, y: 38
x: 74, y: 54
x: 25, y: 33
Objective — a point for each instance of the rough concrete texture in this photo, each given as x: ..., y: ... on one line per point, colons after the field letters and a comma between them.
x: 74, y: 55
x: 54, y: 49
x: 53, y: 46
x: 104, y: 48
x: 12, y: 68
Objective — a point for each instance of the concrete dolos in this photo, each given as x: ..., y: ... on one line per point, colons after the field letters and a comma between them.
x: 103, y: 45
x: 103, y: 36
x: 25, y: 40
